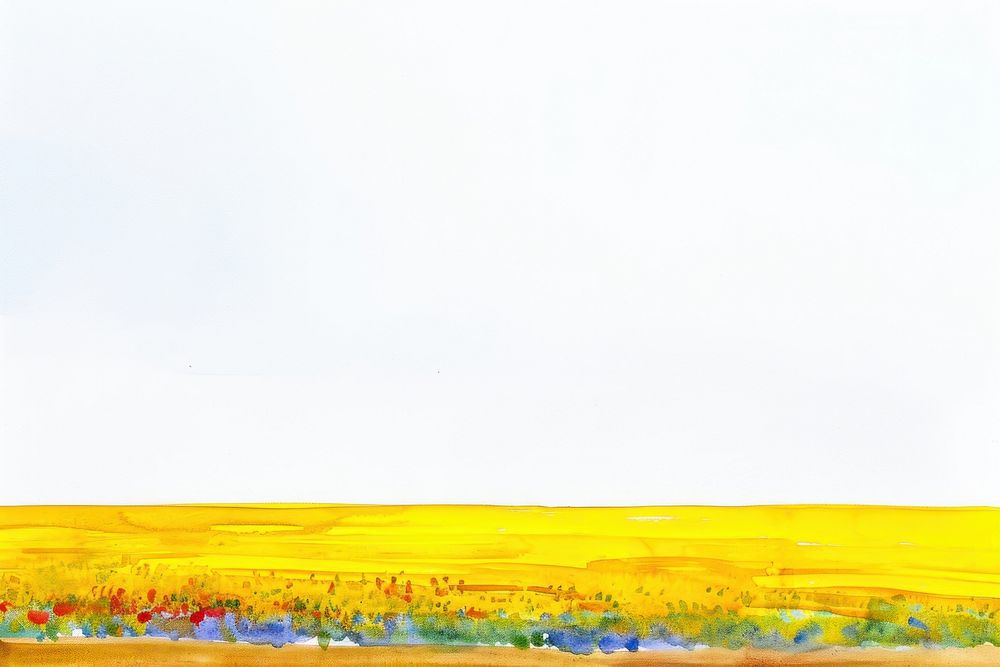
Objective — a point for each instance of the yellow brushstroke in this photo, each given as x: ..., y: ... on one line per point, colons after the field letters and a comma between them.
x: 677, y: 552
x: 252, y: 528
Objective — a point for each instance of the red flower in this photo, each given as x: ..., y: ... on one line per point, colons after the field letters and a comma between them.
x: 151, y: 595
x: 214, y: 612
x: 198, y: 617
x: 63, y: 608
x: 38, y: 617
x: 4, y: 606
x: 144, y: 617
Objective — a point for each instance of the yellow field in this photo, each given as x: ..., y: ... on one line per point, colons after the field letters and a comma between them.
x: 943, y: 552
x: 337, y: 570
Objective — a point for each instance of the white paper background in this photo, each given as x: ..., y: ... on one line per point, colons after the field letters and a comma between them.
x: 506, y: 252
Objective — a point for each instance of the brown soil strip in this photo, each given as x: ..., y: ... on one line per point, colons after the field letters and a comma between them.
x: 144, y: 653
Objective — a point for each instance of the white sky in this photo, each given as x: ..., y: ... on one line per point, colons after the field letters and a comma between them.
x: 508, y: 252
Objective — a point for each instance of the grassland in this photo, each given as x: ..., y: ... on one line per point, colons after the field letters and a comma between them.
x: 601, y: 581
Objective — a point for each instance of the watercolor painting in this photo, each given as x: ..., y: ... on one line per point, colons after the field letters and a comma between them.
x: 355, y: 584
x: 499, y: 332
